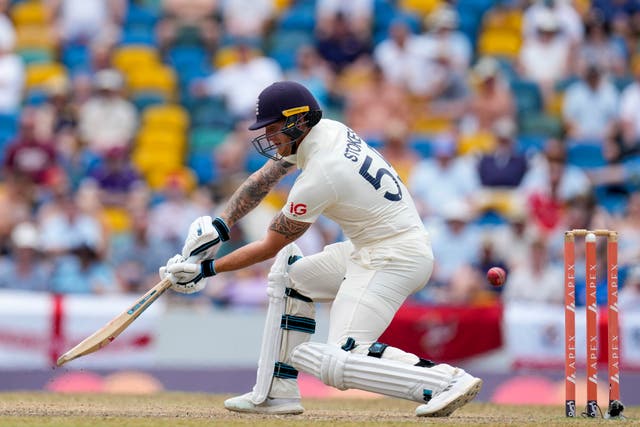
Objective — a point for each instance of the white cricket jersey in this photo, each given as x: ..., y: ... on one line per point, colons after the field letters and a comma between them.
x: 350, y: 183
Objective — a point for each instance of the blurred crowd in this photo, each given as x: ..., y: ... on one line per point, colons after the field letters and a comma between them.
x: 510, y: 121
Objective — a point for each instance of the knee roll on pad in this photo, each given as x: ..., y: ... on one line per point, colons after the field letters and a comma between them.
x: 345, y: 369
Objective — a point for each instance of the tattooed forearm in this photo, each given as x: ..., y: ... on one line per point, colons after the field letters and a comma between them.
x: 253, y: 190
x: 288, y: 228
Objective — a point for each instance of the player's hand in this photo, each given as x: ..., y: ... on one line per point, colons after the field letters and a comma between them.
x: 205, y: 235
x: 187, y: 276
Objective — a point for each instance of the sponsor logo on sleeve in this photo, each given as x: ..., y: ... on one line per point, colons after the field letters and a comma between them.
x: 297, y: 208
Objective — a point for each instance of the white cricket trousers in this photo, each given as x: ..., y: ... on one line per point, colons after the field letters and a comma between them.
x: 367, y: 285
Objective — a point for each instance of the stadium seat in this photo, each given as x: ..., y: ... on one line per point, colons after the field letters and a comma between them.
x: 530, y: 145
x: 585, y: 154
x: 8, y: 127
x: 299, y: 18
x: 210, y: 112
x: 422, y: 145
x: 38, y: 74
x: 505, y: 43
x: 29, y: 13
x: 419, y: 7
x: 155, y: 78
x: 206, y: 138
x: 527, y: 95
x: 203, y: 165
x: 171, y: 117
x: 130, y: 57
x: 156, y: 140
x: 144, y: 99
x: 76, y: 57
x: 117, y: 220
x: 36, y: 55
x: 540, y: 124
x: 34, y: 37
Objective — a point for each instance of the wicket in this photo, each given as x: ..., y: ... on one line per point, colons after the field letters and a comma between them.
x: 613, y: 339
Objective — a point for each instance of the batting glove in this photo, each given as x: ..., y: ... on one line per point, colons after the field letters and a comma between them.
x: 187, y: 276
x: 205, y: 235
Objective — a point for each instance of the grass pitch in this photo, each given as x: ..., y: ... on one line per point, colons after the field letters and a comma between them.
x: 195, y: 410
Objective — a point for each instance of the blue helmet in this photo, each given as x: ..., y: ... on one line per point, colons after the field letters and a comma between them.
x: 289, y: 101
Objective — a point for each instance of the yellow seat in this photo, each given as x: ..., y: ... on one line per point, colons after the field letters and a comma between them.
x: 476, y: 143
x: 30, y: 13
x: 228, y: 55
x: 420, y: 7
x: 432, y: 124
x: 504, y: 43
x: 117, y: 220
x: 502, y: 19
x: 163, y: 116
x: 39, y: 73
x: 181, y: 176
x: 159, y: 78
x: 129, y: 57
x: 161, y: 140
x: 34, y: 37
x: 148, y: 161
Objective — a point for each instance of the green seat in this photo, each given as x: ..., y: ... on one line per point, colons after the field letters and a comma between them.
x: 206, y: 138
x: 34, y: 56
x: 540, y: 124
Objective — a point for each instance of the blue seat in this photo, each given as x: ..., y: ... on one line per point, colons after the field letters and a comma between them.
x: 140, y: 17
x: 144, y: 99
x: 76, y: 57
x: 585, y: 154
x: 201, y: 162
x: 210, y: 112
x: 530, y: 145
x: 134, y: 35
x: 299, y: 17
x: 422, y: 145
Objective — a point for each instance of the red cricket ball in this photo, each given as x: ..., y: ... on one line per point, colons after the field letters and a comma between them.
x: 496, y: 276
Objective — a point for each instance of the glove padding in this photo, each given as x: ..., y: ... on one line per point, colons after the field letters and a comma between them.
x: 187, y: 276
x: 203, y: 239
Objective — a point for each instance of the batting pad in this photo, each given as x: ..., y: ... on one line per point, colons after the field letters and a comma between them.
x: 289, y: 322
x: 344, y: 370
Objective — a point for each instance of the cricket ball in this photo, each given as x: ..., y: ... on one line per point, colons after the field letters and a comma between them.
x: 496, y: 276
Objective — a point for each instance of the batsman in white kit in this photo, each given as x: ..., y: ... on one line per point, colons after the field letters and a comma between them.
x: 386, y: 258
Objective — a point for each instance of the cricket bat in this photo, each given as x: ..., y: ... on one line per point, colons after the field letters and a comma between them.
x: 116, y: 326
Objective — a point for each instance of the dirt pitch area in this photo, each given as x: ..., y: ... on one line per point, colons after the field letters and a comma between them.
x: 187, y: 409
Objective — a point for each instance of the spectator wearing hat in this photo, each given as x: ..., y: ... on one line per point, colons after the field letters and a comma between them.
x: 491, y: 98
x: 83, y: 21
x: 601, y: 47
x: 115, y: 177
x: 444, y: 176
x: 107, y: 120
x: 547, y: 58
x: 444, y: 42
x: 501, y: 171
x: 590, y: 107
x: 570, y: 23
x: 24, y: 269
x: 340, y: 44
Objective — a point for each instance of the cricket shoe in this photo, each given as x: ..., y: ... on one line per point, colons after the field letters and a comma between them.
x: 460, y: 391
x: 274, y: 406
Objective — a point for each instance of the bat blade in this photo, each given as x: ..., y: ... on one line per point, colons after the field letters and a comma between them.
x: 116, y: 326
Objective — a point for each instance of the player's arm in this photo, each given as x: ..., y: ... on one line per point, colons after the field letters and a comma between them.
x: 187, y: 276
x: 254, y: 190
x: 282, y: 231
x: 206, y: 233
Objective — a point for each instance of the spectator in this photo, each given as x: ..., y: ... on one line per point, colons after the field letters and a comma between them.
x: 457, y: 242
x: 29, y: 158
x: 602, y: 49
x: 340, y: 45
x: 312, y: 72
x: 83, y: 21
x: 399, y: 57
x: 437, y: 180
x: 179, y: 17
x: 628, y: 227
x: 511, y: 240
x: 491, y: 99
x: 501, y: 172
x: 135, y: 254
x: 58, y: 113
x: 82, y: 271
x: 12, y: 71
x: 630, y: 109
x: 590, y: 107
x: 240, y: 83
x: 570, y: 23
x: 116, y: 177
x: 247, y: 18
x: 169, y: 219
x: 396, y: 149
x: 107, y: 120
x: 536, y: 279
x: 546, y: 58
x: 444, y: 42
x: 374, y: 102
x: 550, y: 182
x: 24, y: 269
x: 609, y: 9
x: 359, y: 13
